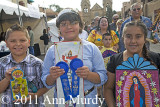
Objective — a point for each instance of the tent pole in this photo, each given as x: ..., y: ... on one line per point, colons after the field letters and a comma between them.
x: 1, y: 22
x: 44, y: 9
x: 46, y: 18
x: 20, y: 17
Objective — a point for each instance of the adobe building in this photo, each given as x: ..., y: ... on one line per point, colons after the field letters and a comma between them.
x: 89, y: 13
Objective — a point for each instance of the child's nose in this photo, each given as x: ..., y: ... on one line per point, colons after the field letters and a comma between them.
x: 133, y: 40
x: 18, y: 43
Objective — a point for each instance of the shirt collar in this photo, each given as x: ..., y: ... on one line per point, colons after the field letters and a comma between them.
x: 25, y: 60
x: 131, y: 19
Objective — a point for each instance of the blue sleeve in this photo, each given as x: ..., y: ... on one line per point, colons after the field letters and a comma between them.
x: 49, y: 61
x: 156, y: 36
x: 98, y: 66
x: 148, y: 23
x: 121, y: 44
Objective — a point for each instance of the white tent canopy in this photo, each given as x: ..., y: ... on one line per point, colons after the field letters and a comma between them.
x: 11, y: 8
x: 53, y: 30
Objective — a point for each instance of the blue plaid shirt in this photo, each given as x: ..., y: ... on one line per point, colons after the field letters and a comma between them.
x: 32, y: 68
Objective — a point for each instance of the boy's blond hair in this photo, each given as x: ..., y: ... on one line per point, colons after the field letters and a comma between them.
x: 16, y: 28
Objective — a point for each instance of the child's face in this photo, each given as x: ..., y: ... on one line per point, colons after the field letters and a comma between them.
x: 18, y: 43
x: 107, y: 41
x: 133, y: 41
x: 70, y: 30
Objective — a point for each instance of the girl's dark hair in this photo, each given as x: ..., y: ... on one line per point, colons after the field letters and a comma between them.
x: 106, y: 34
x: 144, y: 29
x: 14, y: 28
x: 70, y: 16
x: 98, y: 27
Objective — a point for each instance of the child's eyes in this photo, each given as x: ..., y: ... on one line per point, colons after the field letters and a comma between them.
x: 12, y: 41
x: 128, y: 36
x: 107, y: 39
x: 22, y: 40
x: 16, y: 41
x: 138, y: 36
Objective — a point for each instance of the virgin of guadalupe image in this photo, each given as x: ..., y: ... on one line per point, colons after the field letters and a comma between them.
x: 137, y: 93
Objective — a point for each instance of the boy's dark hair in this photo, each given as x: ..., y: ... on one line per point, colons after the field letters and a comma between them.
x: 29, y: 28
x: 44, y: 31
x: 106, y: 34
x: 16, y: 28
x: 69, y: 15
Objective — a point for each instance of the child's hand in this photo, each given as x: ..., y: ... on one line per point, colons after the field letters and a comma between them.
x: 8, y: 73
x: 155, y: 41
x: 83, y: 72
x: 56, y: 72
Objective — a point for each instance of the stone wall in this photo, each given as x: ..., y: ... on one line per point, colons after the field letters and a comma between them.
x: 151, y: 7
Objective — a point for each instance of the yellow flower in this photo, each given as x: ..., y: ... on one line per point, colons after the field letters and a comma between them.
x: 157, y: 105
x: 118, y: 98
x: 119, y: 83
x: 125, y: 73
x: 154, y: 90
x: 149, y: 75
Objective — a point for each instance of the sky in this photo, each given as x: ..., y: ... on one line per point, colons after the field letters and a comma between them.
x: 75, y: 4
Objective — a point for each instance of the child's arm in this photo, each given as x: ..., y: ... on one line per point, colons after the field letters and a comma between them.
x: 5, y: 82
x: 41, y: 91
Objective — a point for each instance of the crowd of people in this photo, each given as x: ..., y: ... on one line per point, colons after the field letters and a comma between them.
x: 105, y: 46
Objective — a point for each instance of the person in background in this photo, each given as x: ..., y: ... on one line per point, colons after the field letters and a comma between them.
x: 46, y: 40
x: 107, y: 51
x: 17, y: 40
x: 49, y: 34
x: 3, y: 47
x: 113, y: 25
x: 91, y: 26
x: 84, y: 34
x: 31, y: 34
x: 119, y: 23
x: 95, y: 20
x: 2, y: 36
x: 87, y: 28
x: 103, y: 27
x: 134, y: 37
x: 136, y: 11
x: 93, y: 72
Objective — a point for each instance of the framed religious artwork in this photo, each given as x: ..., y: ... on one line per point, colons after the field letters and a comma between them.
x: 18, y: 84
x: 137, y: 83
x: 68, y: 56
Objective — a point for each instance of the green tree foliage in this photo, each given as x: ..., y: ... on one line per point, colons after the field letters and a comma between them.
x: 55, y: 7
x: 109, y: 13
